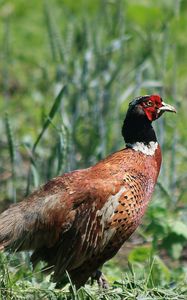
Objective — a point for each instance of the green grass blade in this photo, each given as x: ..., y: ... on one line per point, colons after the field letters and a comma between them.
x: 51, y: 115
x: 12, y: 151
x: 50, y: 31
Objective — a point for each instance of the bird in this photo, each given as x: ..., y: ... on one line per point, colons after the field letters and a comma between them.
x: 76, y: 222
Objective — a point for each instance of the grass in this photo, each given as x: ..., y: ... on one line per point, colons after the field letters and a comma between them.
x: 104, y: 53
x: 35, y: 286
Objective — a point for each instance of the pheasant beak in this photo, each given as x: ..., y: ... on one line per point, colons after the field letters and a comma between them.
x: 166, y: 107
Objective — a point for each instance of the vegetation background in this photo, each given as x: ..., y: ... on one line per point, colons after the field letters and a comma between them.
x: 67, y: 72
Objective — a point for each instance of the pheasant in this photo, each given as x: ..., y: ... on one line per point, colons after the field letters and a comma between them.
x: 78, y: 221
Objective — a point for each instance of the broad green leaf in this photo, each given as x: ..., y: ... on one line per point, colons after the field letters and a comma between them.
x: 176, y: 250
x: 179, y: 228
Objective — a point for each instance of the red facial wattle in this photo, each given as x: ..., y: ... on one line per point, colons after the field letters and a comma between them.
x: 151, y: 114
x: 156, y: 99
x: 152, y: 110
x: 154, y: 107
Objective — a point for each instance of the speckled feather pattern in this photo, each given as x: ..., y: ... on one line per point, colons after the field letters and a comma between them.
x: 79, y: 220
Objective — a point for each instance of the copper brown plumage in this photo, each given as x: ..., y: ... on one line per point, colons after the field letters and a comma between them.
x: 79, y: 220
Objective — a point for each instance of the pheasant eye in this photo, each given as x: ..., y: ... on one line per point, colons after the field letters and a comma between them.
x: 149, y: 103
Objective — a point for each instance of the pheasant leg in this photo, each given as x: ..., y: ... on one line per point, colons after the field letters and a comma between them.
x: 100, y: 278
